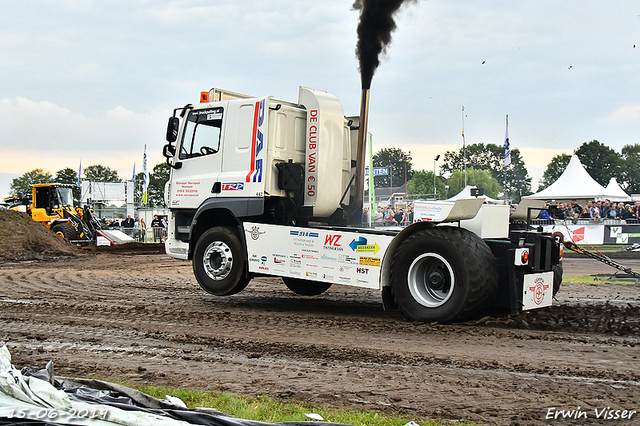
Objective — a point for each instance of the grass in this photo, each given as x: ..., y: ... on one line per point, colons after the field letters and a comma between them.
x: 266, y: 409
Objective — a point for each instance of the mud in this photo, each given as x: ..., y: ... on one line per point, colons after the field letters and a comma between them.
x: 21, y: 238
x: 143, y: 319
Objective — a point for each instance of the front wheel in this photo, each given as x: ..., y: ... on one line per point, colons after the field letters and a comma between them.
x: 305, y: 287
x: 65, y: 230
x: 218, y: 262
x: 443, y: 274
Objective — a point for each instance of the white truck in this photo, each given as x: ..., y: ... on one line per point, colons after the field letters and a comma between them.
x: 260, y: 186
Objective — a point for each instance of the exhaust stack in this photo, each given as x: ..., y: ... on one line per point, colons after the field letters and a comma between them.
x: 355, y: 208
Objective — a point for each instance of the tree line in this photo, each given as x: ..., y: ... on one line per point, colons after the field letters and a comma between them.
x: 96, y: 173
x: 484, y: 166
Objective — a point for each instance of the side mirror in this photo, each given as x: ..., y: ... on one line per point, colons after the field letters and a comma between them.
x: 172, y: 129
x: 169, y: 150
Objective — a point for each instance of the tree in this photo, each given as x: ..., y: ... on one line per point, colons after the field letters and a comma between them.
x: 67, y: 176
x: 630, y: 178
x: 393, y: 158
x: 514, y: 178
x: 480, y: 178
x: 421, y: 185
x: 100, y: 173
x: 22, y: 184
x: 555, y: 168
x: 70, y: 177
x: 600, y: 161
x: 157, y: 179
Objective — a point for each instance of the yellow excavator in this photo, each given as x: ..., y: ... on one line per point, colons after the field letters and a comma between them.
x: 52, y: 205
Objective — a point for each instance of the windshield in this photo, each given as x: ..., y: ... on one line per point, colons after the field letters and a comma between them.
x: 65, y: 196
x: 202, y: 133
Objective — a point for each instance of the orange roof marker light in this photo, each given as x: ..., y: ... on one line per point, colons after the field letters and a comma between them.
x: 204, y: 97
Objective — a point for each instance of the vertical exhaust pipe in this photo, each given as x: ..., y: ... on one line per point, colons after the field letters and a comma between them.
x: 355, y: 209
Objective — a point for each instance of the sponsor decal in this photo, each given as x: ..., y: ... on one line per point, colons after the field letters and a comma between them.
x: 362, y: 270
x: 344, y: 279
x: 329, y: 257
x: 187, y: 189
x: 369, y: 261
x: 344, y: 268
x: 278, y: 260
x: 309, y: 256
x: 263, y: 260
x: 538, y: 288
x: 257, y: 144
x: 254, y: 258
x: 255, y: 232
x: 312, y: 155
x: 345, y: 258
x: 327, y: 277
x: 304, y: 234
x: 295, y: 273
x: 211, y: 113
x: 361, y: 281
x: 235, y: 186
x: 360, y: 246
x: 332, y: 242
x: 296, y: 263
x: 312, y: 274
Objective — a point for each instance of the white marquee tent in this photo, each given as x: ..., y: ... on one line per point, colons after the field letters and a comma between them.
x: 466, y: 193
x: 617, y: 192
x: 575, y: 182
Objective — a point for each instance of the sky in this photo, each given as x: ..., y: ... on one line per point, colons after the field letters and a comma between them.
x: 94, y: 82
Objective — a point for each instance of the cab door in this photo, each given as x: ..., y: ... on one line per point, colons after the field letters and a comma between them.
x: 200, y: 156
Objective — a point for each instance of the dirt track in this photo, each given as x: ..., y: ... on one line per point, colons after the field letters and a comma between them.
x: 143, y: 319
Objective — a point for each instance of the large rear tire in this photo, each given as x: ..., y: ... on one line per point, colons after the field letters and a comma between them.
x: 557, y: 277
x: 218, y: 263
x: 443, y: 274
x: 65, y: 230
x: 305, y: 287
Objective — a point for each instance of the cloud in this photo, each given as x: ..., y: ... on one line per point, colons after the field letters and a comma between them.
x: 45, y: 135
x: 625, y: 116
x: 49, y: 127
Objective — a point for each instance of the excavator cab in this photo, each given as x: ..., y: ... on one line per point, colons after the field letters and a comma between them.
x: 49, y: 200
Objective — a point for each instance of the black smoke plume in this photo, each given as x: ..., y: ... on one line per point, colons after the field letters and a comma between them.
x: 374, y: 33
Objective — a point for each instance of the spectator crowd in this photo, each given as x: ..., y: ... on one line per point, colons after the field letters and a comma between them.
x: 597, y: 211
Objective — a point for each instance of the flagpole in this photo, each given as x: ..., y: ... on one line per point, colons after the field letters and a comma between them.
x: 464, y: 150
x: 507, y: 156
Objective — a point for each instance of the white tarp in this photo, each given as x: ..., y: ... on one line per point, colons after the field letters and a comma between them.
x: 575, y: 182
x: 40, y: 398
x: 24, y: 398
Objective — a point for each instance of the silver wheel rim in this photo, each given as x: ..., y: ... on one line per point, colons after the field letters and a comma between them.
x: 217, y: 260
x: 430, y: 280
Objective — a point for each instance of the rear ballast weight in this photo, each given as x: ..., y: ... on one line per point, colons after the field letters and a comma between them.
x: 266, y: 187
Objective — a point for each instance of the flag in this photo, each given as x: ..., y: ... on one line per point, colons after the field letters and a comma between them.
x: 133, y: 176
x: 507, y: 148
x: 145, y: 178
x: 79, y: 173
